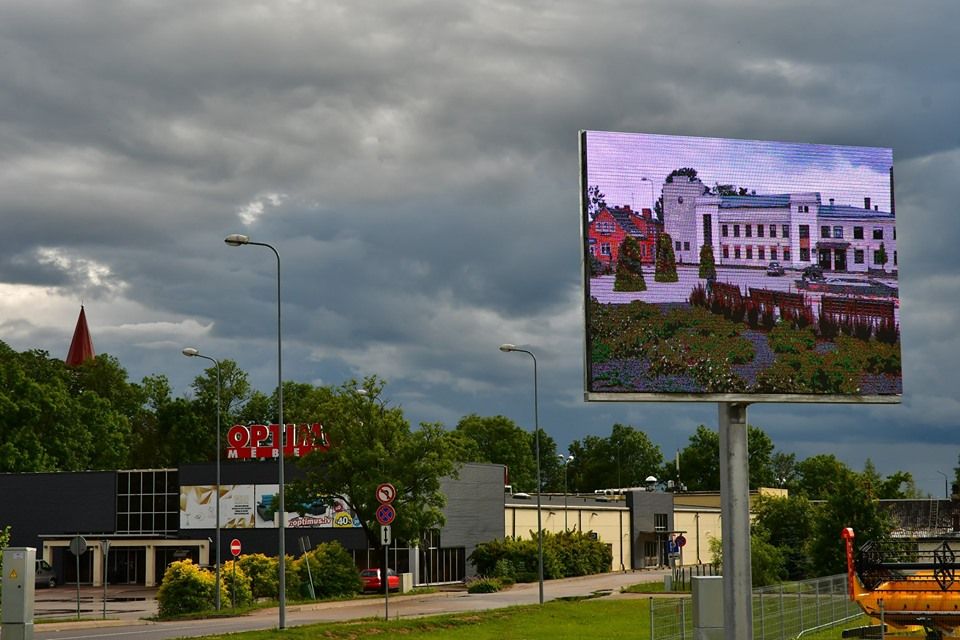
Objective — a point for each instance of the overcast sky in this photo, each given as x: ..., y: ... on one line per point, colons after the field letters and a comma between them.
x: 416, y: 166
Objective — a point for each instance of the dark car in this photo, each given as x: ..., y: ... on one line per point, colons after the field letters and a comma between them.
x: 774, y: 269
x: 372, y: 580
x: 812, y: 272
x: 45, y: 576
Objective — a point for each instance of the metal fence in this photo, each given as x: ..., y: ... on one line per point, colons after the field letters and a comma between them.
x: 782, y: 612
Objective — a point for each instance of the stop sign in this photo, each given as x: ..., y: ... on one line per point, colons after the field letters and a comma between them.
x: 235, y: 547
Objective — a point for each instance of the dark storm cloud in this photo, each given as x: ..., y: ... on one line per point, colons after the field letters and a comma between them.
x: 416, y: 165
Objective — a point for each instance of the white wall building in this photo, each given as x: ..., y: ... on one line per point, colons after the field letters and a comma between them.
x: 795, y: 229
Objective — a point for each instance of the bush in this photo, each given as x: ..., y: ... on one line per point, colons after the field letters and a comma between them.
x: 629, y: 268
x: 708, y: 267
x: 666, y: 269
x: 485, y: 585
x: 332, y: 569
x: 186, y: 588
x: 236, y: 583
x: 262, y: 571
x: 565, y: 554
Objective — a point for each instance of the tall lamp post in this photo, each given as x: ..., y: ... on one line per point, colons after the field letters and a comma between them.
x: 565, y: 461
x: 507, y: 348
x: 190, y: 352
x: 946, y: 491
x: 236, y: 240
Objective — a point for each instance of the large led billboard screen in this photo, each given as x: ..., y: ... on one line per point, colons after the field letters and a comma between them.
x: 738, y: 270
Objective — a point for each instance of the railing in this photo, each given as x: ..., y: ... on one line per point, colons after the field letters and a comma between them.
x: 782, y: 612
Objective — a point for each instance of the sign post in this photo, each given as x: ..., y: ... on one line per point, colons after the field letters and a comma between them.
x: 105, y: 548
x: 235, y: 551
x: 78, y: 547
x: 386, y: 493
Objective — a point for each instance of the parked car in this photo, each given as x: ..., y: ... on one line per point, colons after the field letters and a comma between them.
x: 775, y: 269
x: 812, y: 272
x: 44, y: 575
x: 373, y: 581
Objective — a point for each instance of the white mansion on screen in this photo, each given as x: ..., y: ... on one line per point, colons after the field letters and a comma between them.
x: 796, y: 229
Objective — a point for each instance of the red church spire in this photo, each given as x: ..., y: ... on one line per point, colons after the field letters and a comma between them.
x: 81, y: 347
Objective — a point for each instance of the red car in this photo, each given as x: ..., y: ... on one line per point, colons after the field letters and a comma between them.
x: 372, y: 580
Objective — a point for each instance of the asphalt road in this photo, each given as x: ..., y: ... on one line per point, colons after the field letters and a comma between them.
x: 125, y: 612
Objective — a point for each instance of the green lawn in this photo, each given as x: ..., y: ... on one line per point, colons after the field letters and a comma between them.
x: 571, y: 620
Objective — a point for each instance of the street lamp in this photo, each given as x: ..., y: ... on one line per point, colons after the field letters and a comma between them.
x: 236, y: 240
x: 507, y: 348
x: 190, y: 352
x: 565, y: 461
x: 946, y: 491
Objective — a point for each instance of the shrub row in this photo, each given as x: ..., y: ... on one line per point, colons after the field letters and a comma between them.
x: 188, y: 588
x: 565, y: 554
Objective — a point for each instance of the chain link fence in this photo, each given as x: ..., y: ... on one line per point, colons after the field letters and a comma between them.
x: 782, y: 612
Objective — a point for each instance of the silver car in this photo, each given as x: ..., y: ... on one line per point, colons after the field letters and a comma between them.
x: 45, y: 575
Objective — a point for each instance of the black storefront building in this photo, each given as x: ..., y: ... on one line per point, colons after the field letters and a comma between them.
x: 147, y: 518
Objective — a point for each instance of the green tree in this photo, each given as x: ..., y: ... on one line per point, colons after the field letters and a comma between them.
x: 820, y: 476
x: 700, y: 460
x: 499, y: 440
x: 595, y: 201
x: 629, y: 275
x: 623, y: 459
x: 786, y: 523
x: 882, y: 256
x: 666, y: 268
x: 234, y: 391
x: 708, y: 265
x: 372, y: 443
x: 689, y: 172
x: 855, y: 506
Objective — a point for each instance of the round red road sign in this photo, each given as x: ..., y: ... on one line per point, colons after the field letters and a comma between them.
x: 386, y: 492
x: 386, y: 513
x: 235, y: 547
x: 681, y: 541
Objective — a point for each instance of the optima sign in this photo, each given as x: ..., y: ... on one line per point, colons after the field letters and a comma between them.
x: 257, y: 440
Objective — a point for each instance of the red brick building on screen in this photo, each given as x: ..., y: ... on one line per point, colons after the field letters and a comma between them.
x: 612, y: 225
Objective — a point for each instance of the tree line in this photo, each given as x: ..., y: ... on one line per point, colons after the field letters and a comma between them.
x: 92, y: 417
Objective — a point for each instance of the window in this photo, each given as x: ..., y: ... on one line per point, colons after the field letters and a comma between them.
x: 804, y: 254
x: 726, y: 251
x: 723, y: 230
x: 760, y: 252
x: 659, y: 522
x: 876, y: 257
x: 736, y: 252
x: 858, y: 233
x: 824, y: 231
x: 605, y: 227
x: 686, y: 246
x: 878, y: 233
x: 749, y: 252
x: 605, y: 248
x: 804, y: 231
x: 786, y: 254
x: 759, y: 230
x: 858, y: 256
x: 148, y: 502
x: 749, y: 231
x: 786, y: 231
x: 773, y: 253
x: 803, y: 208
x: 838, y: 232
x: 677, y: 243
x: 773, y: 231
x: 736, y: 231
